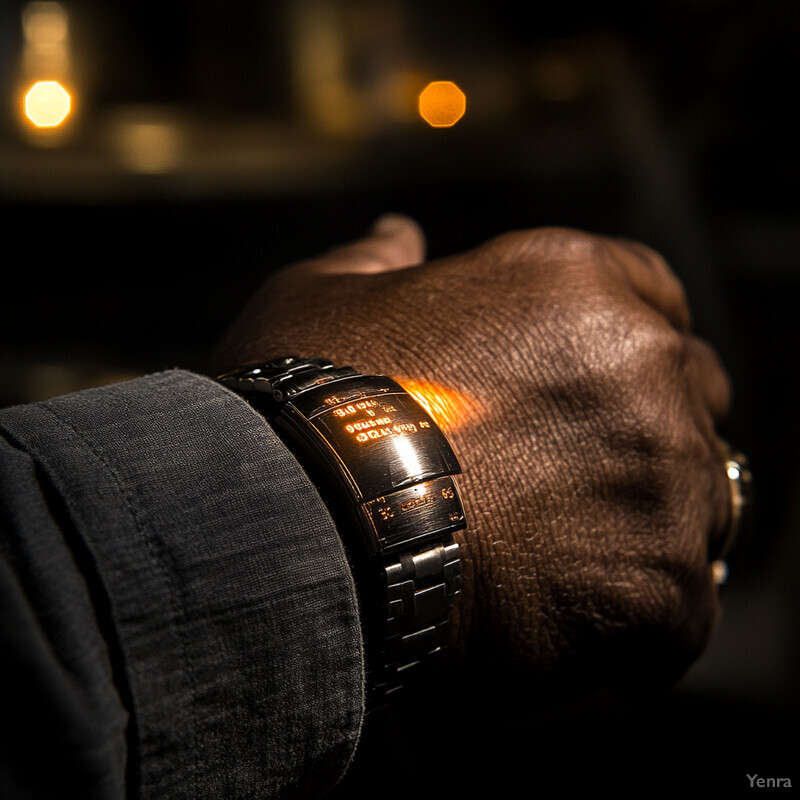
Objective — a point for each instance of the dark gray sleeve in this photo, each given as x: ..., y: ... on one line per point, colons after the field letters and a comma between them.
x: 178, y: 615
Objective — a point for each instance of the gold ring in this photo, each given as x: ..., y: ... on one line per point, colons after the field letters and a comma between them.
x: 740, y: 483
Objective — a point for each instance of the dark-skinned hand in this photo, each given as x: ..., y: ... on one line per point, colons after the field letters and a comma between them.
x: 583, y: 412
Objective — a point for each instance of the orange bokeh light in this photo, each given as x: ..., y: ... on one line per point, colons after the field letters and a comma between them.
x: 442, y: 104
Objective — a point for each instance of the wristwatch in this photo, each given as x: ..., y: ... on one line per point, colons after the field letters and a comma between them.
x: 385, y: 471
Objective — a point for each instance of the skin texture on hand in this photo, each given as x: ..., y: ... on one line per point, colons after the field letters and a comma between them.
x: 595, y: 495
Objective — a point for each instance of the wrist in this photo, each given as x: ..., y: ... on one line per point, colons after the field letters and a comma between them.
x: 386, y: 473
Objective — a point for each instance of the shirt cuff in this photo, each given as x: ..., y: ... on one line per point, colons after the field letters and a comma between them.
x: 231, y: 597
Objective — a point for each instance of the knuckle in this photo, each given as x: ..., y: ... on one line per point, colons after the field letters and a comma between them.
x: 653, y: 355
x: 643, y: 253
x: 632, y: 362
x: 547, y: 244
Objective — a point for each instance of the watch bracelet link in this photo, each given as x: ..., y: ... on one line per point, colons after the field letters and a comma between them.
x: 420, y: 588
x: 416, y: 584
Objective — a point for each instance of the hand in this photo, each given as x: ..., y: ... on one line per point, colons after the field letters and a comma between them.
x: 582, y: 411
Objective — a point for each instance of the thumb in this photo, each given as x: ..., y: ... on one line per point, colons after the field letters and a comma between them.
x: 393, y: 242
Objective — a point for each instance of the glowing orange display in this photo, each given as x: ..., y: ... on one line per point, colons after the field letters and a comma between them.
x: 450, y: 408
x: 442, y: 104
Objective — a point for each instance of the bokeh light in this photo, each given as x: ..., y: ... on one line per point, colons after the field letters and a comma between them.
x: 47, y: 104
x: 442, y: 104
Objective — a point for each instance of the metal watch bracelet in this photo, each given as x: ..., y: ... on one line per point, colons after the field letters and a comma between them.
x: 385, y: 471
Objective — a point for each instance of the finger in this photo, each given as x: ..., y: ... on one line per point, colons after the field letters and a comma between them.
x: 653, y: 280
x: 394, y: 242
x: 710, y: 377
x: 709, y: 387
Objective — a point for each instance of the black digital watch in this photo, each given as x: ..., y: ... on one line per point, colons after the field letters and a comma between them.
x: 385, y: 470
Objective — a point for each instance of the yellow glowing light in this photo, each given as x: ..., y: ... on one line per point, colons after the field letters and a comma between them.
x: 47, y: 104
x: 450, y: 408
x: 442, y: 104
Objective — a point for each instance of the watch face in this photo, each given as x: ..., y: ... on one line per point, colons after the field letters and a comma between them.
x: 382, y: 446
x: 386, y: 442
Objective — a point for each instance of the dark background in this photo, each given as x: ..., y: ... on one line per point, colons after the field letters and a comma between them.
x: 668, y: 121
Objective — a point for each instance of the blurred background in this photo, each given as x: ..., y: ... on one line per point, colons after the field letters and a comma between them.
x: 158, y: 160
